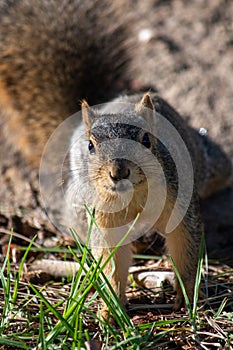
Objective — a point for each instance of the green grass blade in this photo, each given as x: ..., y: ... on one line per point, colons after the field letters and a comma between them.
x: 220, y: 309
x: 13, y: 343
x: 7, y: 293
x: 198, y: 277
x: 41, y: 330
x: 19, y: 273
x: 186, y: 299
x: 53, y: 310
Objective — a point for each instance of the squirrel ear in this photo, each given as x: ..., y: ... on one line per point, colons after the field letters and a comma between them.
x: 147, y: 109
x: 146, y: 102
x: 88, y: 116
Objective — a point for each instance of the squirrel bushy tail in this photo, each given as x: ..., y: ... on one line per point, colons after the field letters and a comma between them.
x: 52, y: 54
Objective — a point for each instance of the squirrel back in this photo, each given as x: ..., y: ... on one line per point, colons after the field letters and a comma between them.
x: 52, y: 54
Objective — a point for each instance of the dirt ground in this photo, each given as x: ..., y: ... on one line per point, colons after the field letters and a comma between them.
x: 186, y: 54
x: 189, y: 59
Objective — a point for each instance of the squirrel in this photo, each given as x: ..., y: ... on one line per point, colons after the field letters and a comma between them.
x: 125, y: 166
x: 55, y: 54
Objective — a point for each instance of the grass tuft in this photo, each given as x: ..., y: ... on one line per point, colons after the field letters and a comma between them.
x: 64, y: 314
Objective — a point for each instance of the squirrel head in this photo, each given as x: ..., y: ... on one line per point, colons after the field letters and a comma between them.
x: 144, y: 109
x: 120, y: 145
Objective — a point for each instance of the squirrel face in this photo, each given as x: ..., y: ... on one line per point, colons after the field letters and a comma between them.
x: 117, y: 149
x: 111, y: 167
x: 114, y: 174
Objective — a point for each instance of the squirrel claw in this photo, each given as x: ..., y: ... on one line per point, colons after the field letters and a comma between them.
x: 107, y: 317
x: 179, y: 302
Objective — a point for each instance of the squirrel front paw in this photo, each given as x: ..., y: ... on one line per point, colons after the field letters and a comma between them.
x: 179, y: 301
x: 106, y: 314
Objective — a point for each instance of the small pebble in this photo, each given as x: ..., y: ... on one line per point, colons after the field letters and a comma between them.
x: 145, y: 35
x: 202, y: 131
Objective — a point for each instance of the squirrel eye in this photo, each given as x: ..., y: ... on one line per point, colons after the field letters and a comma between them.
x: 146, y: 141
x: 91, y: 147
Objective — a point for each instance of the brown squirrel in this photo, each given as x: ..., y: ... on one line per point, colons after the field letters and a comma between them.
x: 113, y: 171
x: 54, y: 54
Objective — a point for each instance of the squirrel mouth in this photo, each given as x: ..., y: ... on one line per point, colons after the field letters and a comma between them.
x: 122, y: 186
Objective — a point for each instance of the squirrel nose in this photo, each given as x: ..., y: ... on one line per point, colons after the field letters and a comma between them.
x: 119, y: 172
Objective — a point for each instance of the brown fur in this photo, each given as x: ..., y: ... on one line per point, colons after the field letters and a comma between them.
x: 182, y: 243
x: 52, y: 54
